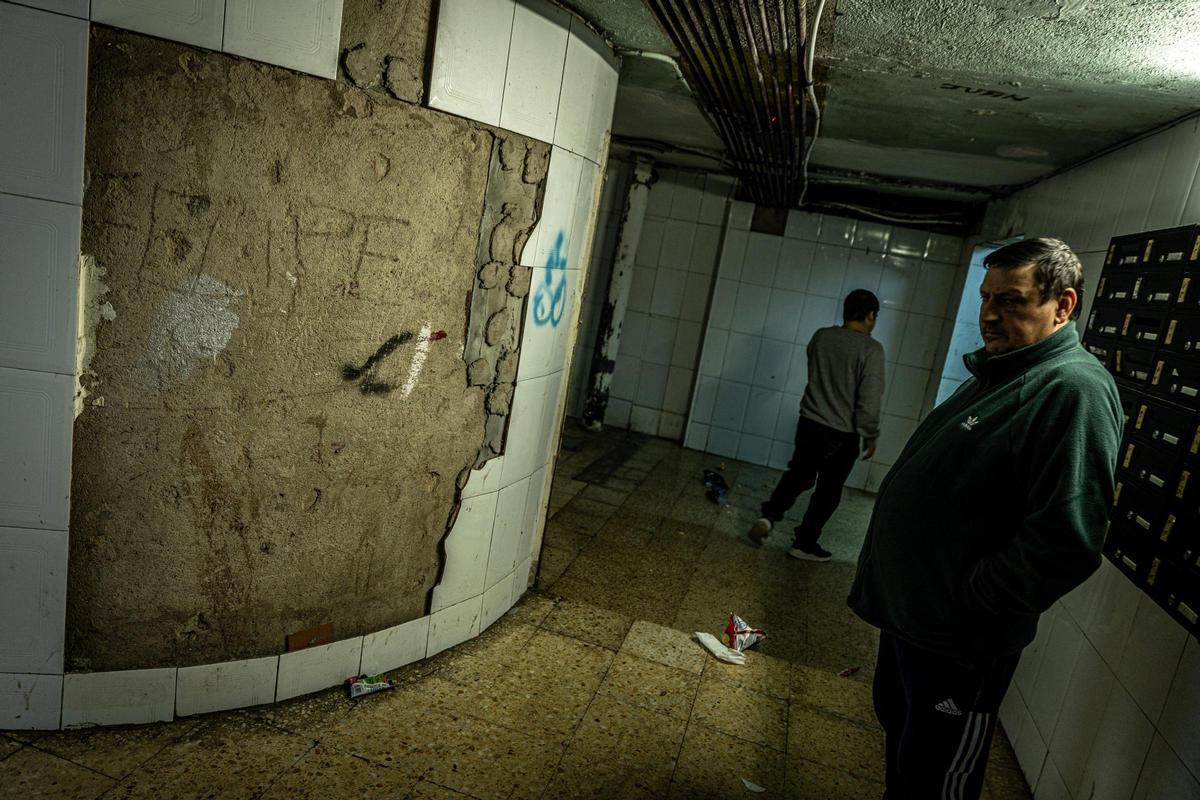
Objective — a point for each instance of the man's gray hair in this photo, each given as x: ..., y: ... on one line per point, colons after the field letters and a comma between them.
x: 1056, y: 267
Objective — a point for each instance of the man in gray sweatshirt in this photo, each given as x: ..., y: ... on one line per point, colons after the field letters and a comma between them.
x: 841, y: 403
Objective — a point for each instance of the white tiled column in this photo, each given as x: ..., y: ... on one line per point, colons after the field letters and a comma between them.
x: 43, y: 58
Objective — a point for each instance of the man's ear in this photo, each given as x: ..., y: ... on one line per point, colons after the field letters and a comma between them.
x: 1067, y: 301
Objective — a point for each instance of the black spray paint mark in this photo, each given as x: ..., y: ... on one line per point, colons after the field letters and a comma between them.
x: 954, y: 87
x: 366, y: 373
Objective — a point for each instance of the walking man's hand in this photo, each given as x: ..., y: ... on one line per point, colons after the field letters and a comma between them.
x: 868, y: 453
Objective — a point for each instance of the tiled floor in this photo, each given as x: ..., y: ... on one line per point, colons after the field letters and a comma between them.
x: 590, y: 687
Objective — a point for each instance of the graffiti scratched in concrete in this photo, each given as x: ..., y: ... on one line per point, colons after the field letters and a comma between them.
x: 550, y: 299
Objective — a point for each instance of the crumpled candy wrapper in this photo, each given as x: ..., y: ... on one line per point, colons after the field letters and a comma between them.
x: 739, y: 636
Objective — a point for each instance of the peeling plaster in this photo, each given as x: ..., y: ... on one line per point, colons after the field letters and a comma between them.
x: 94, y: 308
x: 192, y: 326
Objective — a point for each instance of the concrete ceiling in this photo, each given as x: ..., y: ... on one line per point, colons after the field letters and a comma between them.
x: 955, y: 100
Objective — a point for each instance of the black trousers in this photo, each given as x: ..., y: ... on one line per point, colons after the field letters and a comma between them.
x: 822, y: 456
x: 938, y: 713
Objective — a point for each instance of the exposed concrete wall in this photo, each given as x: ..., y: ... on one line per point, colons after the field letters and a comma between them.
x: 274, y: 423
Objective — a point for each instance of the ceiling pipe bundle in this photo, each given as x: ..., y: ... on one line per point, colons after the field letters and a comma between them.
x: 745, y: 62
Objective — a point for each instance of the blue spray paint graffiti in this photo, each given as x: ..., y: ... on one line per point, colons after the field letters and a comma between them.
x: 550, y: 299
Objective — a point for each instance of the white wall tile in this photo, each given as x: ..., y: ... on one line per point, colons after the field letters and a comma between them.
x: 697, y: 436
x: 797, y: 379
x: 616, y: 414
x: 1151, y: 653
x: 588, y: 91
x: 803, y: 225
x: 200, y: 23
x: 1178, y: 721
x: 1111, y: 617
x: 33, y: 594
x: 705, y: 250
x: 922, y: 337
x: 717, y: 191
x: 503, y: 554
x: 687, y: 345
x: 660, y: 339
x: 828, y: 271
x: 695, y: 298
x: 678, y: 236
x: 1048, y: 687
x: 819, y: 312
x: 485, y: 479
x: 650, y: 243
x: 712, y: 360
x: 889, y: 331
x: 1164, y: 775
x: 795, y: 265
x: 1030, y: 750
x: 520, y: 583
x: 641, y: 289
x: 689, y: 192
x: 35, y: 462
x: 553, y: 300
x: 733, y: 254
x: 944, y: 249
x: 729, y: 410
x: 741, y: 357
x: 1050, y: 786
x: 784, y: 311
x: 837, y: 230
x: 1011, y: 713
x: 1084, y: 702
x: 536, y: 55
x: 535, y: 518
x: 704, y: 399
x: 781, y: 454
x: 863, y: 271
x: 496, y: 600
x: 634, y: 330
x: 934, y: 287
x: 873, y: 236
x: 750, y: 310
x: 908, y: 243
x: 304, y: 35
x: 454, y: 625
x: 774, y: 362
x: 669, y: 287
x: 906, y: 391
x: 470, y: 58
x: 39, y: 241
x: 1122, y: 744
x: 658, y: 205
x: 898, y: 286
x: 130, y: 697
x: 754, y: 449
x: 394, y: 647
x: 315, y: 668
x: 30, y: 702
x: 218, y: 687
x: 893, y: 435
x: 723, y: 442
x: 762, y: 259
x: 522, y: 453
x: 762, y: 411
x: 652, y: 386
x: 43, y: 58
x: 741, y: 214
x: 679, y: 390
x: 670, y: 426
x: 467, y: 548
x: 644, y: 420
x: 876, y: 472
x: 72, y: 8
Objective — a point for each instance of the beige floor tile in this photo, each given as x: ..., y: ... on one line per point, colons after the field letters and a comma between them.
x: 323, y: 773
x: 426, y: 790
x: 835, y: 742
x: 532, y: 609
x: 235, y: 756
x: 619, y: 751
x: 565, y: 537
x: 761, y: 673
x: 487, y: 761
x: 114, y: 752
x: 651, y: 685
x: 8, y: 747
x: 603, y: 494
x: 552, y: 564
x: 589, y: 622
x: 307, y: 716
x: 808, y: 780
x: 741, y: 712
x: 846, y: 697
x: 30, y: 773
x: 665, y: 645
x: 647, y: 521
x: 713, y: 764
x: 585, y: 515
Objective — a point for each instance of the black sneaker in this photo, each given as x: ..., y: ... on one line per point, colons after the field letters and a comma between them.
x: 812, y: 552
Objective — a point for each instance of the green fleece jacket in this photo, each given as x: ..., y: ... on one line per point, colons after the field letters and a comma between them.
x: 997, y: 505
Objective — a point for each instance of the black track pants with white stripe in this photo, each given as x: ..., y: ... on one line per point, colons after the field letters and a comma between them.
x: 938, y: 713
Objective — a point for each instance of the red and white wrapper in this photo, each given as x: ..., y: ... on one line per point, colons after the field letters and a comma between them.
x: 739, y: 636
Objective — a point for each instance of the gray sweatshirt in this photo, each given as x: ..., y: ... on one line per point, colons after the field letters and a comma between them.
x: 845, y: 382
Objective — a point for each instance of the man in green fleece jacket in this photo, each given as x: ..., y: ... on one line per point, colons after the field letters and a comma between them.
x: 995, y: 509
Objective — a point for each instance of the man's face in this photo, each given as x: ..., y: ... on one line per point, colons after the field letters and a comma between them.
x: 1011, y: 311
